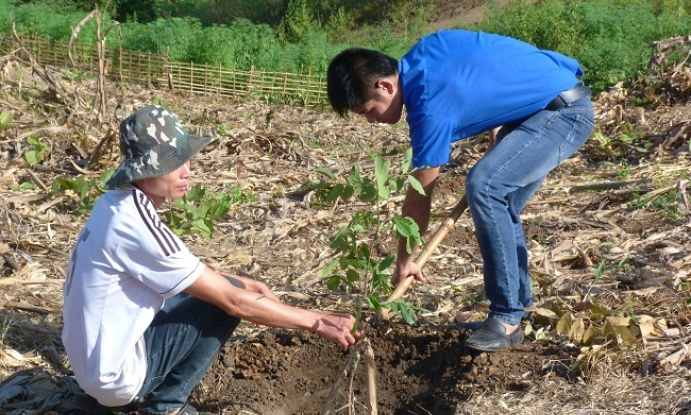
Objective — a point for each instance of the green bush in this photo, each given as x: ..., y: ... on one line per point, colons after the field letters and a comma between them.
x: 174, y: 36
x: 608, y: 37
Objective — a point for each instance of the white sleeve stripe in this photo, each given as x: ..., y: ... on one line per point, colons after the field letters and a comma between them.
x: 183, y: 280
x: 153, y: 224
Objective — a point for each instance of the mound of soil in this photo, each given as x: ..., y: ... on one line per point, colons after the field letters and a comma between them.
x: 420, y: 370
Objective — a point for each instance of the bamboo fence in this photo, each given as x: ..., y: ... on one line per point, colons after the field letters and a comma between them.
x: 157, y: 71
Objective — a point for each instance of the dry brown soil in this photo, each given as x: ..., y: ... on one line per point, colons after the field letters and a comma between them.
x: 420, y: 370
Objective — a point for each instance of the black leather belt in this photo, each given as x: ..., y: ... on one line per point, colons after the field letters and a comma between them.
x: 569, y: 96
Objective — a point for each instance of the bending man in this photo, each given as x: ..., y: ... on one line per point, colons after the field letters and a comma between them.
x: 456, y: 84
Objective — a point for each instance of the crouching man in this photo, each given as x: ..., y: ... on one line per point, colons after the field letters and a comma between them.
x: 143, y: 317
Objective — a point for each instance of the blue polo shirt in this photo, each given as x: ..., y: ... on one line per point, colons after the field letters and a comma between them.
x: 459, y: 83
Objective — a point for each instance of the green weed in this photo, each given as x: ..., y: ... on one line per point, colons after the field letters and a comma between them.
x: 37, y: 152
x: 665, y: 204
x: 6, y: 119
x: 88, y: 190
x: 198, y: 209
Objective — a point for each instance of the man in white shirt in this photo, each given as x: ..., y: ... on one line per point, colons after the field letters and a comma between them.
x: 143, y: 317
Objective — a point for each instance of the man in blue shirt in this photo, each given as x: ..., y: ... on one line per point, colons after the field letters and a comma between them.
x: 456, y: 84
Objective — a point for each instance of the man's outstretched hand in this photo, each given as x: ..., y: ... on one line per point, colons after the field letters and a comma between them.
x: 338, y: 328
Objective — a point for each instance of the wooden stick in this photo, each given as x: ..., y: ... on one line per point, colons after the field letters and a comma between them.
x: 25, y: 307
x: 96, y: 154
x: 676, y: 357
x: 424, y: 255
x: 371, y: 378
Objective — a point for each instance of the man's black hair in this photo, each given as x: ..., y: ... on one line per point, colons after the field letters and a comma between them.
x: 352, y: 75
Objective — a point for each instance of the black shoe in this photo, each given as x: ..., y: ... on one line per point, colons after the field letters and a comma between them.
x: 492, y: 337
x: 477, y: 325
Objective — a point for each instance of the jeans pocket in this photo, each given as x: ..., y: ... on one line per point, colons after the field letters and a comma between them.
x: 579, y: 133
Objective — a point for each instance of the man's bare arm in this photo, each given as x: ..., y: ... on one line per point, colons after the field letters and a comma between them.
x: 261, y: 309
x: 418, y: 207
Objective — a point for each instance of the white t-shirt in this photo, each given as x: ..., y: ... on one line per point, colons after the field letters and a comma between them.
x: 123, y: 266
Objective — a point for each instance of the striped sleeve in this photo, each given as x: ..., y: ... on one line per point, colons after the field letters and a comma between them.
x: 164, y: 238
x: 152, y: 253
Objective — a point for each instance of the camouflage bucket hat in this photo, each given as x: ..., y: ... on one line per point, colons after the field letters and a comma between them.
x: 153, y: 143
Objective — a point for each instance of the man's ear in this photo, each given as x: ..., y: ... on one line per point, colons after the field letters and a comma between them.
x: 385, y: 84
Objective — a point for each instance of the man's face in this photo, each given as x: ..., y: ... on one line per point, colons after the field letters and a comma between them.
x: 171, y: 186
x: 385, y: 107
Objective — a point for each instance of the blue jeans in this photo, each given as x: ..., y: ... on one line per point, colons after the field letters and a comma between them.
x: 181, y: 344
x: 501, y: 183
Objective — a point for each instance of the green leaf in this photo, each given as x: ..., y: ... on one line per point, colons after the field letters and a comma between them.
x: 333, y: 282
x: 335, y: 192
x: 348, y: 192
x: 33, y: 157
x: 373, y: 302
x: 196, y: 193
x: 381, y: 282
x: 386, y: 263
x: 173, y: 219
x: 415, y: 183
x: 342, y: 240
x: 66, y: 183
x: 358, y: 317
x: 105, y: 176
x: 407, y: 227
x: 352, y: 276
x: 27, y: 186
x: 196, y: 212
x: 363, y: 251
x: 355, y: 176
x: 330, y: 266
x: 404, y: 309
x: 407, y: 160
x: 325, y: 171
x: 5, y: 118
x: 204, y: 227
x: 397, y: 183
x: 218, y: 210
x: 366, y: 191
x: 381, y: 172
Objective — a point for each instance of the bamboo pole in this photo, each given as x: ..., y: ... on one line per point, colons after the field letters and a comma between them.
x: 424, y: 255
x: 371, y: 378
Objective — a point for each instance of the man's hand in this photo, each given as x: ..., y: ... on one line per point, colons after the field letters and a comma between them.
x: 404, y: 269
x: 338, y: 329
